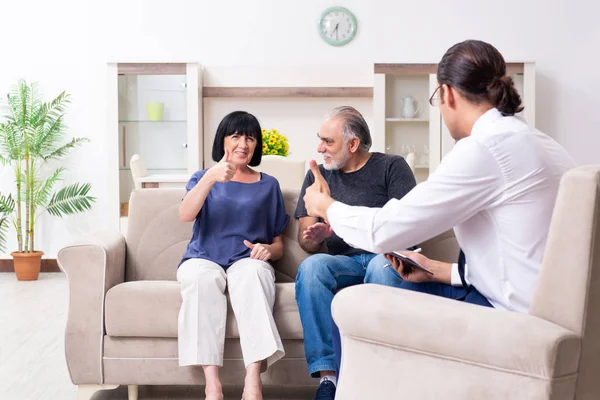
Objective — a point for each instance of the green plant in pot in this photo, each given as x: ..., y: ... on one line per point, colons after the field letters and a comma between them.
x: 32, y: 143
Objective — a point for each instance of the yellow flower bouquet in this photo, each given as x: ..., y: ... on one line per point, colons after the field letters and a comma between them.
x: 274, y: 143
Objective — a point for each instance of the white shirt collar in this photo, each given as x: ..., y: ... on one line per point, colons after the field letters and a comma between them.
x: 482, y: 124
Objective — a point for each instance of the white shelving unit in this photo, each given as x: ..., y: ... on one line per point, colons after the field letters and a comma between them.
x: 172, y: 145
x: 426, y: 134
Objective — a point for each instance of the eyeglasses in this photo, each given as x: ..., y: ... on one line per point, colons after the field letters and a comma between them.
x: 435, y: 100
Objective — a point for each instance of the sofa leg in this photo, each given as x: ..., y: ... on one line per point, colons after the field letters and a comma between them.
x: 132, y: 392
x: 85, y: 392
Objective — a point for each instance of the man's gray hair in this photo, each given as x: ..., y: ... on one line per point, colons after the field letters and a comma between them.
x: 354, y: 126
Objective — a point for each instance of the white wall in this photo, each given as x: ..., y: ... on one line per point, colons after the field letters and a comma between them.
x: 65, y: 44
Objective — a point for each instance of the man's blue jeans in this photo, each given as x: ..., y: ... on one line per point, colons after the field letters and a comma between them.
x: 319, y: 277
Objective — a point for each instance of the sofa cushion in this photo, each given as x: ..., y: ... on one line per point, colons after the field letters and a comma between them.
x: 151, y: 309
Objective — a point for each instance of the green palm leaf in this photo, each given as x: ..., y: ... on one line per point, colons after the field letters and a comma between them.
x: 3, y: 232
x: 61, y: 151
x: 43, y: 190
x: 7, y: 206
x: 58, y: 106
x: 18, y: 100
x: 47, y: 135
x: 50, y: 129
x: 71, y: 199
x: 11, y: 141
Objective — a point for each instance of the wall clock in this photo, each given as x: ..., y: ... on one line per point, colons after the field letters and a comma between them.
x: 337, y: 26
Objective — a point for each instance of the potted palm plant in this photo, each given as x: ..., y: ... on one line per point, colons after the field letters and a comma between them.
x: 32, y: 142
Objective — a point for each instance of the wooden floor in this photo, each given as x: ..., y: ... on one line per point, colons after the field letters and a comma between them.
x: 32, y: 362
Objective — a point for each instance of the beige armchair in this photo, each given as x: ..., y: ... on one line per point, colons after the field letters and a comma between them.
x: 401, y: 344
x: 288, y: 171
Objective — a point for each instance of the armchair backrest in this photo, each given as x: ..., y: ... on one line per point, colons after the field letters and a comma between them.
x: 568, y: 288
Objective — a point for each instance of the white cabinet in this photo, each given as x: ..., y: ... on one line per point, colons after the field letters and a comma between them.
x: 424, y: 133
x: 398, y: 132
x: 158, y: 116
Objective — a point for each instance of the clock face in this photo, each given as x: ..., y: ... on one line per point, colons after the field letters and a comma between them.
x: 337, y: 26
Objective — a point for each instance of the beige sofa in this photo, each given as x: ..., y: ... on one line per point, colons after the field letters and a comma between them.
x: 426, y: 347
x: 124, y: 303
x: 288, y: 171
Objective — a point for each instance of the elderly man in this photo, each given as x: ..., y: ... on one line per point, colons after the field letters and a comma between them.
x: 360, y: 178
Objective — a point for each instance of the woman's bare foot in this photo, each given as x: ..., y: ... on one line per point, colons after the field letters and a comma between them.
x: 213, y: 393
x: 252, y: 391
x: 252, y: 383
x: 213, y: 389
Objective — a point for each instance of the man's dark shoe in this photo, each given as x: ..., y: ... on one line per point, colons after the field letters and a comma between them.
x: 326, y: 390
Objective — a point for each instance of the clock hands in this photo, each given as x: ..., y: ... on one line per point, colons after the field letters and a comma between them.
x: 337, y: 26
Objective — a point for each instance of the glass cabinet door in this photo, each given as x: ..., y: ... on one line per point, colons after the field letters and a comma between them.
x: 152, y: 122
x: 158, y: 121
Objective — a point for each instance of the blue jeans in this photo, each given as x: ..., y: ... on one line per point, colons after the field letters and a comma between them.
x: 319, y: 277
x: 468, y: 295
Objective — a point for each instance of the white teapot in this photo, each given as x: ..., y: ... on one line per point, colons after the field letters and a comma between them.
x: 409, y: 107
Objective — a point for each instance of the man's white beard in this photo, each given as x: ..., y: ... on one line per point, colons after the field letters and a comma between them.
x: 340, y: 162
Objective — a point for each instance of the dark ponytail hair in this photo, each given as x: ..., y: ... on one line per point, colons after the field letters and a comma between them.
x: 478, y: 71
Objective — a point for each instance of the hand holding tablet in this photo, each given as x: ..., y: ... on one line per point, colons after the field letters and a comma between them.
x: 408, y: 261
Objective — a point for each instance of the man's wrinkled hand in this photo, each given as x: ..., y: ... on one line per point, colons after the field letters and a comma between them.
x: 317, y: 232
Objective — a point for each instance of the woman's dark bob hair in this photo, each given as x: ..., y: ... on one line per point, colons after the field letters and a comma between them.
x: 242, y: 123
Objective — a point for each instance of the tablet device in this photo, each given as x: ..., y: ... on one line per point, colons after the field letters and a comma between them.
x: 410, y: 262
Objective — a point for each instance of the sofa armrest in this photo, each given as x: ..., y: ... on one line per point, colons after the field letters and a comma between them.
x: 92, y: 268
x: 452, y: 330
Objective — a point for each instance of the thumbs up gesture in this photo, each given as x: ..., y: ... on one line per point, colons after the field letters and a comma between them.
x: 318, y: 195
x: 224, y: 170
x: 320, y: 184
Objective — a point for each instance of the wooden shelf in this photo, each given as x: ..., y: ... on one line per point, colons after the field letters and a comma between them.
x: 142, y: 121
x: 209, y: 91
x: 420, y: 69
x: 407, y: 119
x: 151, y: 68
x: 405, y: 69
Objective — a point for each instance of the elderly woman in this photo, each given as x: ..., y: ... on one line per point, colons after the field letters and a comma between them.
x: 239, y: 218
